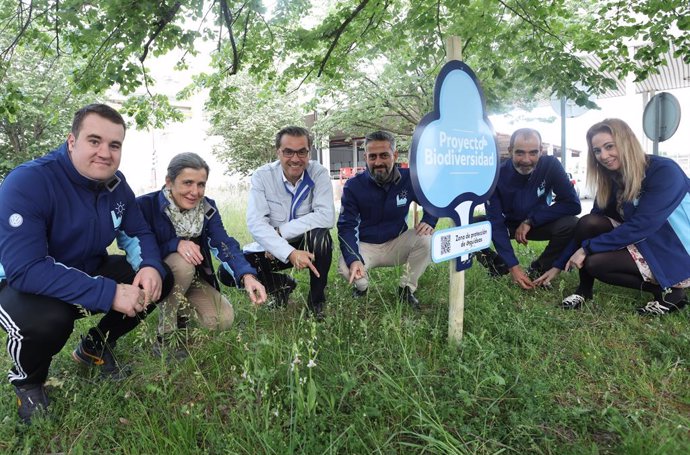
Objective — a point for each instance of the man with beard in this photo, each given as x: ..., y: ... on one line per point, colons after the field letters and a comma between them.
x: 289, y: 213
x: 522, y: 207
x: 372, y: 226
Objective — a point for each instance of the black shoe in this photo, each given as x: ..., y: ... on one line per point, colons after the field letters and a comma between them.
x: 357, y: 294
x: 492, y: 262
x: 87, y: 353
x: 281, y: 296
x: 182, y: 321
x: 169, y: 345
x: 316, y: 311
x: 31, y: 398
x: 406, y: 295
x: 656, y: 308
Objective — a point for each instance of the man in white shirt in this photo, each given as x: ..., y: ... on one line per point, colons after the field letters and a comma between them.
x: 289, y: 214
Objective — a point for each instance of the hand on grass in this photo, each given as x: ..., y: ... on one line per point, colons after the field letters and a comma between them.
x: 545, y: 279
x: 254, y: 288
x: 520, y: 277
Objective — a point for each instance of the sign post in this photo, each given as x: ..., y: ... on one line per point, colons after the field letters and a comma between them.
x: 454, y: 166
x: 661, y: 118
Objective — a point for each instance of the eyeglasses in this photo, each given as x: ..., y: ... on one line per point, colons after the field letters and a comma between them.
x: 289, y: 153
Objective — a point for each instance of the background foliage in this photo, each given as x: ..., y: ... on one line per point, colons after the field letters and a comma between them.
x: 249, y: 121
x: 365, y: 62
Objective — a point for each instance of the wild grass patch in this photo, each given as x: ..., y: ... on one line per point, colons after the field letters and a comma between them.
x: 376, y: 377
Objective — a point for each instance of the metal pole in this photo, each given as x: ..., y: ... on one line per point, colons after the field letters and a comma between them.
x: 657, y: 122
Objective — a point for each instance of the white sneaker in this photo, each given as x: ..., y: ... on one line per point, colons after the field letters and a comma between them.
x: 654, y: 308
x: 572, y: 302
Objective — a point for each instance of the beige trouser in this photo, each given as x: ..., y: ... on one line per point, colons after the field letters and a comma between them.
x: 192, y: 294
x: 410, y: 249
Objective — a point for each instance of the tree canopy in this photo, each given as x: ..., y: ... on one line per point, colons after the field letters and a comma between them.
x: 36, y: 108
x: 248, y: 123
x: 377, y: 54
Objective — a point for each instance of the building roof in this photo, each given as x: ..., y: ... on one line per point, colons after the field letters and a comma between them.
x: 673, y: 74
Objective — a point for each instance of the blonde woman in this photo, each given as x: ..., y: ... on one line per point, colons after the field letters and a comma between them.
x: 638, y: 233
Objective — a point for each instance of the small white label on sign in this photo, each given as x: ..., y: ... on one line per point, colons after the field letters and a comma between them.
x: 457, y: 241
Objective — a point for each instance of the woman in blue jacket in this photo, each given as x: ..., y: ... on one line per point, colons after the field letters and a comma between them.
x: 188, y: 228
x: 638, y: 233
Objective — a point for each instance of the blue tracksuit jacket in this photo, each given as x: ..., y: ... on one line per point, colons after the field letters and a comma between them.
x: 374, y: 214
x: 214, y: 238
x: 657, y: 222
x: 56, y: 224
x: 519, y: 197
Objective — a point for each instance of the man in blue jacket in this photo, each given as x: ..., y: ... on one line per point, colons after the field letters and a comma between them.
x: 522, y: 207
x: 58, y: 214
x: 372, y: 226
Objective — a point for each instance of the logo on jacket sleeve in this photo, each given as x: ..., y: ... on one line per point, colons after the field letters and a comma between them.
x: 16, y: 220
x: 401, y: 198
x: 542, y: 189
x: 117, y: 214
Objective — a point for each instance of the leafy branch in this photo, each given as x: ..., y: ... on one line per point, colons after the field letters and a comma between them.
x: 160, y: 25
x: 338, y: 34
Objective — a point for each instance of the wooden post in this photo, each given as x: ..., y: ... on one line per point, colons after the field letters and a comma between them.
x: 456, y: 288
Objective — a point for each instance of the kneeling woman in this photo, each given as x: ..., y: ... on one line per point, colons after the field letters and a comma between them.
x: 638, y: 233
x: 188, y: 228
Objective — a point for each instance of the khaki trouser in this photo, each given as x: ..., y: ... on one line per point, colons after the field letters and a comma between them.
x: 192, y: 294
x: 410, y: 249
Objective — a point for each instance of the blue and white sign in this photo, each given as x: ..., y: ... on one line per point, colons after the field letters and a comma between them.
x: 454, y: 154
x: 459, y: 241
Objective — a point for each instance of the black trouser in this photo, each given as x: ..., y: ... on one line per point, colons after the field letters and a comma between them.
x: 617, y: 268
x: 39, y: 326
x: 317, y: 241
x: 558, y: 233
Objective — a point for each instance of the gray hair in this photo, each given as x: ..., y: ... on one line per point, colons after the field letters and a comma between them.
x: 183, y: 161
x: 380, y: 136
x: 295, y: 131
x: 523, y: 132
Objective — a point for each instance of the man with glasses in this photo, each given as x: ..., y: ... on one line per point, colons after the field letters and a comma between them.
x: 289, y: 214
x: 523, y: 207
x: 372, y: 226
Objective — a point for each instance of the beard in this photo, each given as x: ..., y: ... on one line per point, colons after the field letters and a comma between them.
x: 381, y: 174
x: 524, y: 170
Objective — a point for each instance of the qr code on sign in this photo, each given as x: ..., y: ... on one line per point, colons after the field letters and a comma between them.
x: 445, y: 244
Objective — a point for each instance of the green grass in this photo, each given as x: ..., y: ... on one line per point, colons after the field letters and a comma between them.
x: 528, y: 377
